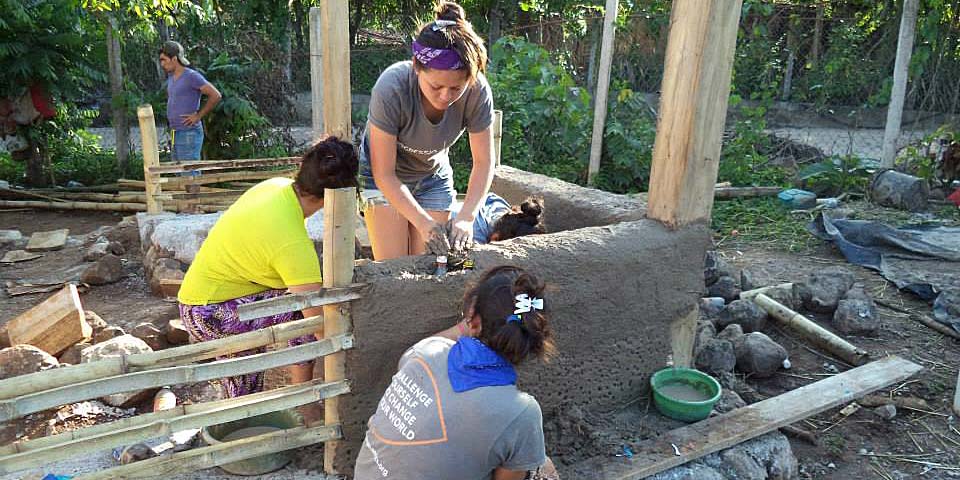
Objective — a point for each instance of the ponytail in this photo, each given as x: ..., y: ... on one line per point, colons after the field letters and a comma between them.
x: 452, y: 31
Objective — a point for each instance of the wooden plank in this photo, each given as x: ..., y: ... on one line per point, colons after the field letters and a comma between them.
x: 726, y: 430
x: 109, y: 367
x: 891, y: 131
x: 695, y: 88
x: 53, y: 325
x: 603, y: 85
x: 37, y: 453
x: 226, y: 452
x: 24, y: 405
x: 335, y: 58
x: 205, y: 166
x: 151, y: 156
x: 50, y: 240
x: 339, y: 227
x: 298, y: 301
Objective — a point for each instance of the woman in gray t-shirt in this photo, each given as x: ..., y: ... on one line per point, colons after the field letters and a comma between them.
x: 418, y: 110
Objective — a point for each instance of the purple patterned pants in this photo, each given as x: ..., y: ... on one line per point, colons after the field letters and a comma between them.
x: 219, y: 320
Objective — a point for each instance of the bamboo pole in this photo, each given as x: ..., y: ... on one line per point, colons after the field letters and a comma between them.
x: 32, y: 454
x: 104, y: 197
x: 179, y: 167
x: 497, y: 135
x: 151, y: 156
x: 316, y: 73
x: 106, y: 207
x: 109, y: 367
x: 901, y: 72
x: 603, y: 85
x: 180, y: 183
x: 785, y: 287
x: 339, y: 216
x: 35, y: 402
x: 811, y: 331
x: 28, y: 193
x: 298, y: 301
x: 226, y: 452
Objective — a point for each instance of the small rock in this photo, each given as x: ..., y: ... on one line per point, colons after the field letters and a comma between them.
x: 732, y: 333
x: 725, y: 287
x: 831, y: 465
x: 160, y: 273
x: 176, y: 333
x: 115, y: 347
x: 97, y: 250
x: 710, y: 274
x: 9, y: 237
x: 742, y: 464
x: 822, y: 291
x: 95, y: 321
x: 108, y: 269
x: 135, y: 453
x: 23, y: 359
x: 716, y: 356
x: 759, y: 355
x: 857, y: 292
x: 710, y: 306
x: 744, y: 313
x: 787, y: 296
x: 200, y: 392
x: 886, y: 412
x: 151, y: 335
x: 729, y: 400
x: 72, y: 354
x: 830, y: 368
x: 747, y: 281
x: 705, y: 332
x: 857, y: 317
x: 108, y: 334
x: 787, y: 364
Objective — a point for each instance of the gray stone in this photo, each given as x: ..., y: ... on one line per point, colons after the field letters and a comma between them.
x: 855, y: 317
x: 732, y: 333
x: 151, y: 335
x: 741, y: 465
x: 725, y: 287
x: 765, y: 457
x: 123, y: 345
x: 690, y: 471
x: 886, y: 412
x: 710, y: 275
x: 108, y: 269
x: 176, y: 333
x: 729, y: 401
x: 744, y: 313
x: 136, y: 453
x: 710, y: 307
x: 102, y: 246
x: 857, y: 292
x: 107, y: 334
x: 787, y: 296
x: 759, y: 355
x: 23, y: 359
x: 747, y: 281
x: 10, y: 237
x: 716, y: 356
x: 705, y: 332
x: 72, y: 354
x: 822, y: 291
x: 95, y: 321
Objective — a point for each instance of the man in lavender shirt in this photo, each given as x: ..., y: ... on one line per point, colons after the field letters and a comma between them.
x: 184, y: 88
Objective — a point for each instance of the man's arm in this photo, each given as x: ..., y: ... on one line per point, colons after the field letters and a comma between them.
x: 213, y: 98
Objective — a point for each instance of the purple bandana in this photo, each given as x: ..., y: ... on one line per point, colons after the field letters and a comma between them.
x: 437, y: 58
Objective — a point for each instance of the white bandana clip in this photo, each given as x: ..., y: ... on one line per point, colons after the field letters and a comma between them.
x: 441, y: 25
x: 525, y: 304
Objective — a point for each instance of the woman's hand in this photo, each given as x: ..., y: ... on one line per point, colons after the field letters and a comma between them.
x: 435, y: 236
x: 461, y: 234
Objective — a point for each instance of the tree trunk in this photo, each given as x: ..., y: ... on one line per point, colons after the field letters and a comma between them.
x: 817, y: 34
x: 298, y: 15
x: 121, y: 125
x: 496, y: 19
x: 34, y: 162
x: 791, y: 59
x: 356, y: 22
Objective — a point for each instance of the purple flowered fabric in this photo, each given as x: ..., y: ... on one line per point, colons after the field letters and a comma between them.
x: 219, y: 320
x: 437, y: 58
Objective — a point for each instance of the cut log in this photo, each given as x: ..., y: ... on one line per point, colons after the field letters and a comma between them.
x: 811, y: 331
x: 47, y: 241
x: 53, y: 325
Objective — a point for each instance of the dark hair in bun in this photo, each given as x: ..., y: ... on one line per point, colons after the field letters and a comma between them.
x: 331, y: 163
x: 523, y: 219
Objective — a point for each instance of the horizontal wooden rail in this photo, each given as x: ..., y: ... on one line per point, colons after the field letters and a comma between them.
x: 106, y: 207
x: 298, y: 301
x: 39, y: 401
x: 222, y: 165
x: 179, y: 183
x: 226, y: 452
x: 109, y: 367
x: 44, y: 450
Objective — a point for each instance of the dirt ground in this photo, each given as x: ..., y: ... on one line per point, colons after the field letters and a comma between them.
x: 914, y: 444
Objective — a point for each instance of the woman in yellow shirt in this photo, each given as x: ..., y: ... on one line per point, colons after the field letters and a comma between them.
x: 260, y: 249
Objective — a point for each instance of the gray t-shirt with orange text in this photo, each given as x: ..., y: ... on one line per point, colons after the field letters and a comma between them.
x: 422, y: 146
x: 423, y: 430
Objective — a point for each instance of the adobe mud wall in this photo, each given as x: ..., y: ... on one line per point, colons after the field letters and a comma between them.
x: 613, y: 292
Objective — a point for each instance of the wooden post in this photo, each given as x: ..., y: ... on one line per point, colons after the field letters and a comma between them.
x: 151, y: 156
x: 335, y: 60
x: 603, y: 85
x: 316, y: 73
x: 339, y: 225
x: 891, y: 131
x: 686, y: 154
x: 497, y: 135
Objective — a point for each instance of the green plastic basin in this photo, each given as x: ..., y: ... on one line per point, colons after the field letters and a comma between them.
x: 684, y: 394
x: 247, y: 427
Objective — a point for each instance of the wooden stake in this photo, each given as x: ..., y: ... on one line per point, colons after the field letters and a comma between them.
x: 316, y: 73
x: 339, y: 217
x: 226, y: 452
x: 696, y: 85
x: 603, y: 85
x: 298, y: 301
x: 694, y: 441
x: 811, y: 331
x: 44, y: 450
x: 151, y: 156
x: 35, y: 402
x: 497, y: 135
x: 112, y: 366
x: 901, y: 72
x: 335, y: 57
x: 53, y: 325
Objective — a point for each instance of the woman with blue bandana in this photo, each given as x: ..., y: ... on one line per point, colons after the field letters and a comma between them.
x: 453, y: 409
x: 418, y: 109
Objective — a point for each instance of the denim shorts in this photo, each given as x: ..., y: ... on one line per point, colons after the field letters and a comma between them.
x: 186, y: 144
x: 433, y: 192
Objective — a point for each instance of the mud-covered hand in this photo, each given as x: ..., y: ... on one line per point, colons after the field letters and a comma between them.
x: 436, y: 238
x: 461, y: 234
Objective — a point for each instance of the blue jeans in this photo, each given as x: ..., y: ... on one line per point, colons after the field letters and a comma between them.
x: 433, y: 192
x: 186, y: 144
